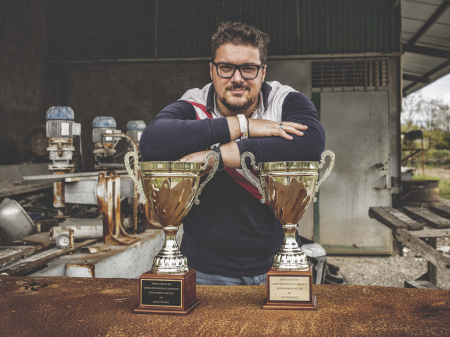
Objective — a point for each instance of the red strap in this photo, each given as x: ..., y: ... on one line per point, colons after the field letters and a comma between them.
x: 232, y: 172
x: 244, y: 182
x: 203, y: 108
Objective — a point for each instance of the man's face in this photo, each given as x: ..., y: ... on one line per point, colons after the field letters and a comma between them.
x: 236, y: 93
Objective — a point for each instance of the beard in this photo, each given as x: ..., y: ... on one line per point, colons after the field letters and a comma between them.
x: 237, y: 104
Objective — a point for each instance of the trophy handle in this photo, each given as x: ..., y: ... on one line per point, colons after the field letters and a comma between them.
x: 132, y: 174
x: 211, y: 173
x: 327, y: 172
x: 249, y: 174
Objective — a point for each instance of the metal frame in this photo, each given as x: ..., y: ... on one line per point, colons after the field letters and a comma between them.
x: 412, y: 48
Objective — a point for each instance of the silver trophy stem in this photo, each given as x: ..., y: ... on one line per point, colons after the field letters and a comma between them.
x: 290, y: 256
x: 169, y: 259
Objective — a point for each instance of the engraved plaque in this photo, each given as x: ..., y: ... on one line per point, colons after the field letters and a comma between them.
x: 289, y: 288
x: 160, y: 292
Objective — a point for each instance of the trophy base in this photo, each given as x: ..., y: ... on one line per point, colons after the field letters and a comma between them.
x: 290, y: 290
x: 167, y: 294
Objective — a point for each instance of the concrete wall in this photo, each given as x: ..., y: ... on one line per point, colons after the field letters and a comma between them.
x: 23, y: 38
x: 295, y: 73
x: 127, y: 92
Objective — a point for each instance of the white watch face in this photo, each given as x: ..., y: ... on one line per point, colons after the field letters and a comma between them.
x: 214, y: 146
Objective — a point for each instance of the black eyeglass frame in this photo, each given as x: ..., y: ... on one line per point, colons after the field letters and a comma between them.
x: 238, y: 67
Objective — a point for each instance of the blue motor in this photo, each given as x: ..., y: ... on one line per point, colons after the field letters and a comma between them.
x: 60, y: 129
x: 60, y: 122
x: 105, y: 137
x: 134, y: 130
x: 101, y: 125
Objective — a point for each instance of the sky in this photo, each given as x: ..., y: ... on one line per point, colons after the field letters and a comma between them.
x: 438, y: 89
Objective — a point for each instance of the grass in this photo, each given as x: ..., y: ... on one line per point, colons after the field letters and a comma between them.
x: 433, y: 153
x: 444, y: 185
x: 433, y: 158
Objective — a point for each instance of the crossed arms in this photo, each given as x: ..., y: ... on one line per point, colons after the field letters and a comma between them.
x: 176, y: 134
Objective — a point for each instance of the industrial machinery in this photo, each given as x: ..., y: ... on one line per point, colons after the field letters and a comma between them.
x: 134, y: 130
x: 104, y: 188
x: 105, y: 137
x: 61, y: 129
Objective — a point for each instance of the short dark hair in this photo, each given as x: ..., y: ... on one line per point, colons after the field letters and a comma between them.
x: 238, y: 33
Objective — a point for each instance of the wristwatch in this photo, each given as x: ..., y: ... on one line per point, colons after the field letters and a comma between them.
x: 216, y: 148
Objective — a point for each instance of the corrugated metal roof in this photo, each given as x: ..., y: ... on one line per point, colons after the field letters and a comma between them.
x: 415, y: 13
x: 183, y: 28
x: 416, y: 64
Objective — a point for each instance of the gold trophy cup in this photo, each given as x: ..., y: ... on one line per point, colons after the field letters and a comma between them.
x: 289, y: 188
x: 171, y: 188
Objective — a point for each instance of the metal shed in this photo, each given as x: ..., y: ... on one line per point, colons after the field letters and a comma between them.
x: 132, y: 59
x: 344, y: 55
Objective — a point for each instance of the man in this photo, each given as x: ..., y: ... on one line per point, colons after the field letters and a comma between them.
x: 230, y: 238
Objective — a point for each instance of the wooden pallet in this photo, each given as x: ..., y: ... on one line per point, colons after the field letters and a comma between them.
x: 412, y: 224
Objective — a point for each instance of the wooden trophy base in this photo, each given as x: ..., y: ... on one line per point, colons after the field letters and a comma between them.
x: 167, y: 294
x: 290, y: 290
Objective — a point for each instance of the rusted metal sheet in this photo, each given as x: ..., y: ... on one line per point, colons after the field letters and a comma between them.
x: 11, y: 173
x: 87, y: 307
x: 21, y: 269
x: 43, y: 239
x: 8, y: 255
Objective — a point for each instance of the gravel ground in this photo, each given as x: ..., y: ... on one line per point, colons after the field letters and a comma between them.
x: 390, y: 271
x: 439, y: 172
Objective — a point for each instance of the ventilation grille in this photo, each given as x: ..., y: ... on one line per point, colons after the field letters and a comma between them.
x: 350, y: 74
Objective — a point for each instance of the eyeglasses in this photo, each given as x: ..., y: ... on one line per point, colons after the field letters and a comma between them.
x: 248, y: 72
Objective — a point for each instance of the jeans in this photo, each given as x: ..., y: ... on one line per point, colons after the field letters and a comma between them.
x: 217, y: 280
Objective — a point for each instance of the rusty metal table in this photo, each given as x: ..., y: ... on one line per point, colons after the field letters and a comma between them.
x: 58, y: 306
x: 411, y: 224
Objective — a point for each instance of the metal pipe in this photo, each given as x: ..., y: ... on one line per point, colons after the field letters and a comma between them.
x: 71, y: 240
x: 81, y: 232
x: 207, y: 59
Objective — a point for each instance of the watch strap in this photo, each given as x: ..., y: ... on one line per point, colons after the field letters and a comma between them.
x: 216, y: 148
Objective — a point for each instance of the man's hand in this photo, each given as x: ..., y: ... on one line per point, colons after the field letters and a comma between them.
x: 230, y: 157
x: 265, y: 128
x: 199, y: 157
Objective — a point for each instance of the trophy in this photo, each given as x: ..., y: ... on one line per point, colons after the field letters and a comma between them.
x: 289, y: 188
x: 171, y: 188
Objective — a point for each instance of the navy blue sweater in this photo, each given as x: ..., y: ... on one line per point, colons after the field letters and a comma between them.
x: 230, y: 233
